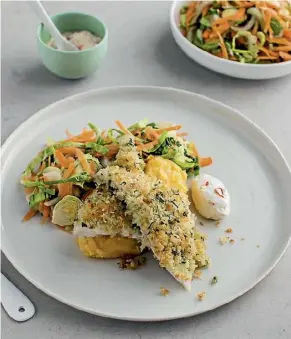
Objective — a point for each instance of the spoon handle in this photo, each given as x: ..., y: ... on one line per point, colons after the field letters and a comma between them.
x: 47, y: 21
x: 15, y: 303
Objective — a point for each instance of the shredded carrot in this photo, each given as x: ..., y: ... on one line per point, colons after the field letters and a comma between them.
x: 267, y: 58
x: 205, y: 161
x: 151, y: 134
x: 237, y: 16
x: 68, y: 150
x: 42, y: 166
x: 64, y: 189
x: 279, y: 41
x: 28, y: 190
x: 222, y: 45
x: 83, y: 160
x: 168, y: 129
x: 286, y: 48
x: 287, y: 33
x: 205, y: 10
x: 93, y: 167
x: 29, y: 215
x: 122, y: 127
x: 206, y: 34
x: 190, y: 12
x: 84, y: 137
x: 267, y: 21
x: 112, y: 147
x: 68, y: 134
x: 245, y: 4
x: 219, y: 29
x: 268, y: 52
x: 285, y: 56
x: 69, y: 170
x: 64, y: 162
x: 272, y: 5
x: 113, y: 150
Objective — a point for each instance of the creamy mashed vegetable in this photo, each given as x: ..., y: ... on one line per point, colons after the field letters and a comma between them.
x: 82, y: 39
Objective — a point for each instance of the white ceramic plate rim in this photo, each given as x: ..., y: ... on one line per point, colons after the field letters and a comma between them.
x: 9, y: 142
x: 213, y: 57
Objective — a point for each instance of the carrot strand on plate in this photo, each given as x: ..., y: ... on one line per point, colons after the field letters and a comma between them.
x: 68, y: 150
x: 285, y: 56
x: 168, y: 129
x: 122, y: 127
x: 83, y: 160
x: 69, y: 170
x: 64, y: 162
x: 222, y: 45
x: 29, y: 215
x: 205, y: 161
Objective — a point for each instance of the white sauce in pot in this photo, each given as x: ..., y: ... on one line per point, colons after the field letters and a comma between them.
x: 82, y: 39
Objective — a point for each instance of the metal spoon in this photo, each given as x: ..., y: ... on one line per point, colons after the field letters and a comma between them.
x: 15, y: 303
x: 61, y: 43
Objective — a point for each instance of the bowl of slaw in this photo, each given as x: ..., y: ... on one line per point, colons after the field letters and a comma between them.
x: 215, y: 40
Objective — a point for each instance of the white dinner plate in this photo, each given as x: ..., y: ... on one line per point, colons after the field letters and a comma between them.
x: 245, y: 159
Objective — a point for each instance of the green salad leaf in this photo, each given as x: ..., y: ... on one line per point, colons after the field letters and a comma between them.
x: 96, y: 147
x: 48, y: 151
x: 205, y: 21
x: 140, y: 124
x: 276, y: 26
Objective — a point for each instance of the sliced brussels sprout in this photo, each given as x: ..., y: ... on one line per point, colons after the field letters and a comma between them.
x: 65, y: 211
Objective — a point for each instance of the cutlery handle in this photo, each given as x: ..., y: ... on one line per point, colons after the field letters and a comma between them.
x: 15, y: 303
x: 46, y: 20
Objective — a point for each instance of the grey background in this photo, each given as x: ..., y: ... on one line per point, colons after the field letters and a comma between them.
x: 141, y: 52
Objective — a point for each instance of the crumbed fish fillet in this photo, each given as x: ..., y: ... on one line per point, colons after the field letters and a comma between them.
x: 163, y: 216
x: 103, y: 214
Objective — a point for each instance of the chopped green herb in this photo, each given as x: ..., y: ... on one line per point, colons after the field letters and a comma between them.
x: 214, y: 280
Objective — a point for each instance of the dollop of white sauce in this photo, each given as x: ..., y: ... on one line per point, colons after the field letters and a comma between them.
x: 82, y: 39
x: 210, y: 197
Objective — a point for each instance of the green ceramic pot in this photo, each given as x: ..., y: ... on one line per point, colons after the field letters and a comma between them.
x: 68, y: 64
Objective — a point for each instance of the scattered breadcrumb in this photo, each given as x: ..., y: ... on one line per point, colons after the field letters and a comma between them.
x: 224, y: 240
x: 132, y: 263
x: 231, y: 241
x: 242, y: 239
x: 217, y: 223
x: 164, y: 291
x: 201, y: 223
x: 201, y: 295
x: 214, y: 280
x: 197, y: 274
x: 228, y: 230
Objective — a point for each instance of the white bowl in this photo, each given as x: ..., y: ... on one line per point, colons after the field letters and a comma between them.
x: 228, y: 67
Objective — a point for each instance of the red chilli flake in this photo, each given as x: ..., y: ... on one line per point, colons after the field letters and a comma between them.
x: 81, y: 47
x: 207, y: 183
x: 219, y: 191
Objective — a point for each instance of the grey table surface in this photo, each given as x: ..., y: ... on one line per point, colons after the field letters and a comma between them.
x: 141, y: 52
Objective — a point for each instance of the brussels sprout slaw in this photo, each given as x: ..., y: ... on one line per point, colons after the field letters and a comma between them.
x: 60, y: 176
x: 257, y: 32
